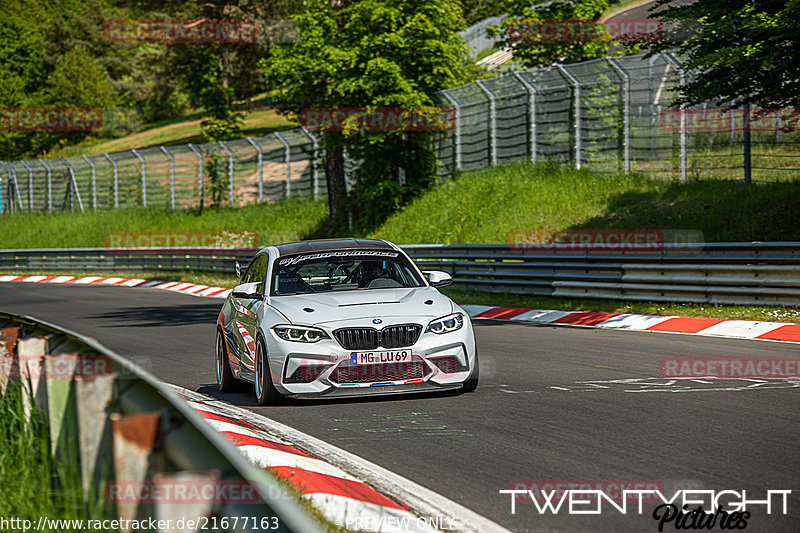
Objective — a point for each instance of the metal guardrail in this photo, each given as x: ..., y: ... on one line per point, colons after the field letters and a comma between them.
x: 125, y: 430
x: 724, y: 273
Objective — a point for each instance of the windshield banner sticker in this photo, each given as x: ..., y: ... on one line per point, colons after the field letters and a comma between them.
x: 342, y: 253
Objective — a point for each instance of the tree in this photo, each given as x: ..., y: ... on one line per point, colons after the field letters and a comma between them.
x: 570, y: 32
x: 742, y: 50
x: 370, y: 54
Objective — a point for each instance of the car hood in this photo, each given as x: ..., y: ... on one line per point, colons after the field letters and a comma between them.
x: 357, y: 306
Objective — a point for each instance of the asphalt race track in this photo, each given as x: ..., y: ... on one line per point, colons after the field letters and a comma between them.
x: 547, y: 408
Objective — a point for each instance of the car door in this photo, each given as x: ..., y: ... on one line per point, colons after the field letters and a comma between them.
x: 244, y: 341
x: 247, y: 310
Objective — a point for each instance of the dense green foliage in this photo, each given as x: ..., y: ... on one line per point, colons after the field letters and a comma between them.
x: 740, y: 50
x: 370, y: 54
x: 534, y: 48
x: 58, y: 54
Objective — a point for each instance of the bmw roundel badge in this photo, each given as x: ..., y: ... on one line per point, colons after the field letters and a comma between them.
x: 376, y: 320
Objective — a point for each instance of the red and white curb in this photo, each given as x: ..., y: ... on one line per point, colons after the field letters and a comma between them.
x: 339, y: 493
x: 738, y: 329
x: 174, y: 286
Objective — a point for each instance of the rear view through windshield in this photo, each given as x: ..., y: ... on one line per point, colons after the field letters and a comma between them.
x: 342, y: 270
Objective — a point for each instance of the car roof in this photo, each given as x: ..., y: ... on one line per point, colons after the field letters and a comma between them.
x: 325, y: 245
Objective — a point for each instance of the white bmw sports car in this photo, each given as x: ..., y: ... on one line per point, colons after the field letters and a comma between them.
x: 339, y: 318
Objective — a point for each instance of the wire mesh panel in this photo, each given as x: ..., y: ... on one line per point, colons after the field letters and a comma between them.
x: 475, y: 134
x: 511, y: 110
x: 554, y: 130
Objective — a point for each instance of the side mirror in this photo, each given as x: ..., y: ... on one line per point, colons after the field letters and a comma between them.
x: 238, y: 270
x: 437, y: 278
x: 247, y: 291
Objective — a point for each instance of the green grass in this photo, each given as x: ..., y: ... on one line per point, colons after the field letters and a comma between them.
x: 488, y: 205
x: 272, y: 223
x: 175, y: 131
x: 32, y: 483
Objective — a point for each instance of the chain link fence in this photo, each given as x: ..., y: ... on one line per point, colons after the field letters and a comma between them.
x: 239, y: 172
x: 614, y: 114
x: 610, y: 114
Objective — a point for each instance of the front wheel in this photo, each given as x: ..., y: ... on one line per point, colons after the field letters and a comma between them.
x: 225, y: 380
x: 266, y: 393
x: 472, y: 381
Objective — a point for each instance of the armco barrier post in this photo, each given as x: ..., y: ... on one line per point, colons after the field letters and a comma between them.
x: 49, y: 185
x: 230, y: 170
x: 94, y: 181
x: 576, y: 116
x: 116, y: 179
x: 93, y: 396
x: 531, y: 114
x: 260, y: 155
x: 287, y: 156
x: 625, y: 89
x: 492, y: 122
x: 199, y: 171
x: 457, y: 136
x: 171, y: 176
x: 144, y: 177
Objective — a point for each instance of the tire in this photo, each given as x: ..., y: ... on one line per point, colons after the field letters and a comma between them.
x: 225, y: 380
x: 472, y: 381
x: 266, y: 393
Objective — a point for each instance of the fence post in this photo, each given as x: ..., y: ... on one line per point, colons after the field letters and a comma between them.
x: 49, y: 185
x: 746, y: 142
x: 531, y: 114
x: 13, y: 190
x: 116, y: 179
x: 492, y: 122
x: 73, y: 185
x: 314, y: 158
x: 778, y: 126
x: 652, y: 98
x: 626, y: 113
x: 576, y: 93
x: 683, y: 147
x: 457, y: 148
x: 260, y: 168
x: 144, y: 177
x: 1, y: 212
x: 199, y: 171
x: 94, y: 181
x: 171, y: 176
x: 230, y: 170
x: 30, y: 184
x: 288, y: 158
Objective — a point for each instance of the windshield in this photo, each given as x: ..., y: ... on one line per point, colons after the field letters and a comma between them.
x: 342, y: 270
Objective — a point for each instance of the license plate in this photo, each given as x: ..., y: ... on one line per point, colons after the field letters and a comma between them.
x: 375, y: 358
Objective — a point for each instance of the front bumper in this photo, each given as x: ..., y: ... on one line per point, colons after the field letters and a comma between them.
x: 324, y: 369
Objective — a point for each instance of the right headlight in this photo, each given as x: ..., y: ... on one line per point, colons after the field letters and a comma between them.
x: 446, y: 324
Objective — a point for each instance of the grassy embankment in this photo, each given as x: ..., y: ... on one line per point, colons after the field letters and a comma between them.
x: 483, y: 207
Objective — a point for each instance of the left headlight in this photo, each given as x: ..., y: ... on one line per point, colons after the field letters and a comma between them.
x: 300, y: 333
x: 446, y: 324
